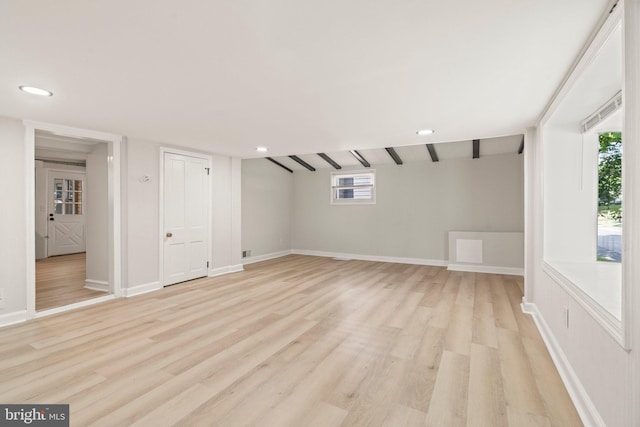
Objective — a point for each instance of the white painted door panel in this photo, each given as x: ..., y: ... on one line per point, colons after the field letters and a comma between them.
x: 66, y: 212
x: 186, y: 193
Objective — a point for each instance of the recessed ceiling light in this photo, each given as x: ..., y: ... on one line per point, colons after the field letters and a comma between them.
x: 262, y: 149
x: 35, y: 90
x: 423, y: 132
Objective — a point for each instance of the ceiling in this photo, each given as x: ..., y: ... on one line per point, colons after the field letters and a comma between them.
x: 409, y: 154
x: 295, y: 76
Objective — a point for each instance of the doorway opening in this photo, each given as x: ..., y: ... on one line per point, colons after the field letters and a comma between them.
x: 70, y: 220
x: 73, y: 236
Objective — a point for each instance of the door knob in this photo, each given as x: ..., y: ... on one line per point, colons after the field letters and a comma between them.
x: 169, y: 234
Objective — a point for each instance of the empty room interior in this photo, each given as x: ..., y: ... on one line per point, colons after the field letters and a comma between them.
x: 320, y: 213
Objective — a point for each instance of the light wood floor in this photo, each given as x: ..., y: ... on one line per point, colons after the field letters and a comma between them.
x: 60, y: 281
x: 297, y: 341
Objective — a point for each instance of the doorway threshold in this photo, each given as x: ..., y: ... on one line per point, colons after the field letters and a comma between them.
x: 73, y: 306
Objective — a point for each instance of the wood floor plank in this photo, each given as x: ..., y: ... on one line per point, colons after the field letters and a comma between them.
x: 488, y: 406
x: 296, y: 341
x: 448, y: 405
x: 60, y: 281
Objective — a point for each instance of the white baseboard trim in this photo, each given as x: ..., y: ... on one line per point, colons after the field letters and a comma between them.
x: 141, y: 289
x: 213, y: 272
x: 397, y: 260
x: 73, y: 306
x: 585, y: 407
x: 13, y: 318
x: 96, y: 285
x: 265, y: 257
x: 486, y: 269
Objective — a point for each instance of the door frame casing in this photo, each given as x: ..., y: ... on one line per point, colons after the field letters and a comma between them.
x: 209, y: 204
x: 114, y: 146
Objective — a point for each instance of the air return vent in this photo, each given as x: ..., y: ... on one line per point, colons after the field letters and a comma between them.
x: 602, y: 113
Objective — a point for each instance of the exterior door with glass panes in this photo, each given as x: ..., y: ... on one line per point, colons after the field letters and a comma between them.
x: 66, y: 216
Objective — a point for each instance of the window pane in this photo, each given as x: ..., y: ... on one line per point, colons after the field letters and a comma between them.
x: 345, y: 181
x: 68, y: 209
x: 356, y: 187
x: 58, y: 209
x: 78, y: 209
x: 610, y: 197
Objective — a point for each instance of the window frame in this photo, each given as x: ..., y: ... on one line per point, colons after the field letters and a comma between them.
x: 352, y: 173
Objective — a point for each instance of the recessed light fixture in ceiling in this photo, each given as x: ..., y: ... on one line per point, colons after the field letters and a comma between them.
x: 35, y: 90
x: 262, y: 149
x: 423, y: 132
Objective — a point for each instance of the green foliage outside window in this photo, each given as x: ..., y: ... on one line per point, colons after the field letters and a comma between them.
x: 610, y: 168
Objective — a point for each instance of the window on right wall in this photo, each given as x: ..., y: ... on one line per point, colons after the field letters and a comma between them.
x: 610, y: 197
x: 582, y: 160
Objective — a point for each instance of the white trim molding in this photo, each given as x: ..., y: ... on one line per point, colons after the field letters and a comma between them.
x: 377, y: 258
x: 585, y: 407
x: 96, y: 285
x: 265, y: 257
x: 213, y: 272
x: 142, y: 289
x: 513, y: 271
x: 13, y: 318
x: 74, y: 306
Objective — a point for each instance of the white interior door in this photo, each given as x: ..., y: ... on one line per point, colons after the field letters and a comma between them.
x: 66, y: 212
x: 185, y: 220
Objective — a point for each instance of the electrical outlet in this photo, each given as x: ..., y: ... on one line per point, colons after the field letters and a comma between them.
x: 246, y: 254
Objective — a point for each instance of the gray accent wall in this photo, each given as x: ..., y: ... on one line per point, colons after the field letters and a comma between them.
x: 416, y: 205
x: 267, y: 199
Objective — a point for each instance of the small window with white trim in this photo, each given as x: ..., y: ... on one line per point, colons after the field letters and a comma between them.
x: 353, y: 187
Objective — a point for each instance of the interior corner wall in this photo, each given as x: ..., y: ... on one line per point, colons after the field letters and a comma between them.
x: 267, y: 195
x: 417, y: 204
x: 13, y: 226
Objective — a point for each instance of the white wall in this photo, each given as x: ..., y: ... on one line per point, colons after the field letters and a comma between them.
x: 143, y: 214
x: 97, y: 216
x: 12, y: 219
x: 602, y: 377
x: 416, y: 205
x: 570, y: 191
x: 267, y: 197
x: 41, y: 210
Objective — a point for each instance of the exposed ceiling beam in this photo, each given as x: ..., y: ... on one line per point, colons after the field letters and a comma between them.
x: 476, y: 148
x: 521, y: 149
x: 279, y: 164
x: 432, y: 153
x: 361, y: 159
x: 394, y: 155
x: 329, y: 160
x: 303, y: 163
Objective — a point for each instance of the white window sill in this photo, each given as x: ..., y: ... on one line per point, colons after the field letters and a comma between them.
x: 596, y: 286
